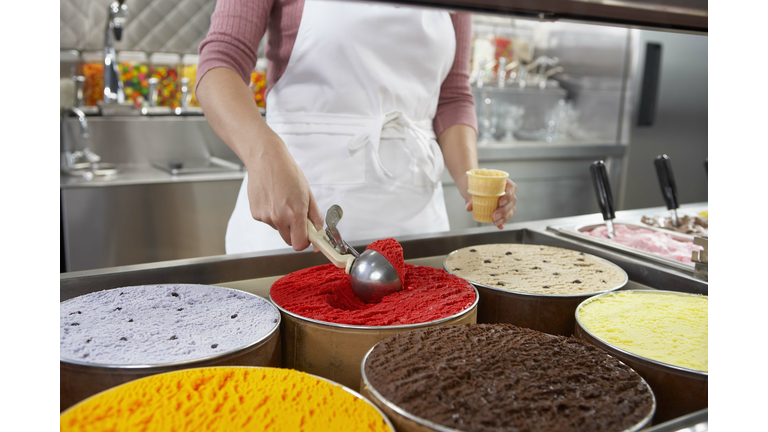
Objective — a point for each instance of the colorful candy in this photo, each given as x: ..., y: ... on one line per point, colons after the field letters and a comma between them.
x: 259, y: 87
x: 93, y: 87
x: 503, y: 49
x: 135, y: 84
x: 190, y: 71
x: 168, y: 93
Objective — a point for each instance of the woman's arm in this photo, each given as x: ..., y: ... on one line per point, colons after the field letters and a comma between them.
x: 456, y: 123
x: 278, y: 192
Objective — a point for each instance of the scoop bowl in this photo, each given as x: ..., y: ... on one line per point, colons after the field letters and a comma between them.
x: 373, y: 277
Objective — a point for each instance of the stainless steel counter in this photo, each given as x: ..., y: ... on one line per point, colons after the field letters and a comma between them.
x: 143, y: 174
x: 270, y: 264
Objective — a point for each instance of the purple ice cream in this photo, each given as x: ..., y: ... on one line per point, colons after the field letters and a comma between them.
x: 159, y: 324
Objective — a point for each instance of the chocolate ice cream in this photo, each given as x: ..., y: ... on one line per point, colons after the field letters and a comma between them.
x: 494, y: 377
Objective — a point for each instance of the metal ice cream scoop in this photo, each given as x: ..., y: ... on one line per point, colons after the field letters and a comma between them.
x: 372, y: 276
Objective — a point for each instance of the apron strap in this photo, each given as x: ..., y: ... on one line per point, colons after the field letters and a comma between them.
x: 418, y: 138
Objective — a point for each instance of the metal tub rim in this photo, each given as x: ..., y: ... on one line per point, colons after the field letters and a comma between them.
x: 693, y: 373
x: 530, y: 294
x: 440, y: 428
x: 388, y: 327
x: 160, y: 367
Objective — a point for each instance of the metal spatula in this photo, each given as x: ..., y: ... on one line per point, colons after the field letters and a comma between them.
x: 372, y: 276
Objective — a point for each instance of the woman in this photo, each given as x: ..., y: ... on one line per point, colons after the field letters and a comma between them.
x: 366, y: 105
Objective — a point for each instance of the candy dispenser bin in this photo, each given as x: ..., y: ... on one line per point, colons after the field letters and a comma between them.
x: 93, y: 71
x: 483, y: 49
x: 189, y: 70
x: 69, y: 64
x: 165, y: 67
x: 134, y: 73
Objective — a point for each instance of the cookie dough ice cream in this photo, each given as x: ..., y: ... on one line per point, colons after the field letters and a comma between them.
x: 161, y: 324
x: 662, y: 326
x: 225, y: 399
x: 324, y: 293
x: 492, y: 377
x: 535, y: 269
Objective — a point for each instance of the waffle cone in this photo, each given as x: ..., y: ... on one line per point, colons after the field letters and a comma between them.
x: 487, y: 182
x: 483, y: 207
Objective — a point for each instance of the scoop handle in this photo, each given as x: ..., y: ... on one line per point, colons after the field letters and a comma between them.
x: 666, y: 181
x: 602, y: 189
x: 339, y: 260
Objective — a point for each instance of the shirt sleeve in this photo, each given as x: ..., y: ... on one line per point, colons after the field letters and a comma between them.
x: 237, y: 27
x: 456, y: 104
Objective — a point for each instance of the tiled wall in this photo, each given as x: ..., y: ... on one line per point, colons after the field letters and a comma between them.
x: 153, y: 25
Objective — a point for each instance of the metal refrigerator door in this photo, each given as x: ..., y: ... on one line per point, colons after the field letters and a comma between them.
x: 675, y: 123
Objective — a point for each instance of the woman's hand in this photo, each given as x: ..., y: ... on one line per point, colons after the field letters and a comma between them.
x: 506, y: 206
x: 279, y: 195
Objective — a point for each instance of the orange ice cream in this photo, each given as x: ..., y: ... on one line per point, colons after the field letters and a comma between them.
x: 225, y: 399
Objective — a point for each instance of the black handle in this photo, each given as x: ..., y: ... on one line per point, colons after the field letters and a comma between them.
x: 602, y: 189
x: 666, y: 181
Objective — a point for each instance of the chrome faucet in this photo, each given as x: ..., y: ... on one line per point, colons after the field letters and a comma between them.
x: 82, y: 120
x: 73, y: 158
x: 113, y: 86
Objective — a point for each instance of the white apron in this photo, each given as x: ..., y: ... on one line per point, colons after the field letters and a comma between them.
x: 355, y: 108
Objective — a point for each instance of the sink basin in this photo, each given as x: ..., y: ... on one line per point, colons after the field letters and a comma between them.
x: 197, y: 166
x: 87, y: 169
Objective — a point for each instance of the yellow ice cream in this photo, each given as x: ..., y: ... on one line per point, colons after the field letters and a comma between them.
x: 225, y: 399
x: 661, y: 326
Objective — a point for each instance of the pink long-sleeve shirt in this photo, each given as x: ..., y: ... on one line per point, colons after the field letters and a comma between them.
x: 237, y: 27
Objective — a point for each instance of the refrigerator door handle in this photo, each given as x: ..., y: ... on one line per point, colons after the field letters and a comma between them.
x: 650, y: 84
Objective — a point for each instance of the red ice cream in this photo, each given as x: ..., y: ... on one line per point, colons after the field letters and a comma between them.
x: 324, y: 293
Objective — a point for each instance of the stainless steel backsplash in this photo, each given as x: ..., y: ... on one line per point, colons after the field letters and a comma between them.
x: 141, y: 140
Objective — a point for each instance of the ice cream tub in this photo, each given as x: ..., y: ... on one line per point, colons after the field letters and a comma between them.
x: 334, y: 351
x: 679, y: 390
x: 548, y: 313
x: 581, y: 232
x: 406, y: 420
x: 195, y: 398
x: 80, y: 378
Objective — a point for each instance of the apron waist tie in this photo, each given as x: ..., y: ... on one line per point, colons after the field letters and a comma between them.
x: 425, y: 156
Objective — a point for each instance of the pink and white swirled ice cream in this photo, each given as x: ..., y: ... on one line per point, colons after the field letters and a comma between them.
x: 657, y: 243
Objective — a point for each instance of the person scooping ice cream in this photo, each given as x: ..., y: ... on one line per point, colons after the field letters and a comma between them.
x: 366, y: 104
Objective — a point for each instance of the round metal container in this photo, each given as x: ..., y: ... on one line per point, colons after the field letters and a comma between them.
x: 678, y: 390
x: 347, y: 389
x: 407, y: 422
x: 334, y: 351
x: 552, y: 314
x: 80, y: 380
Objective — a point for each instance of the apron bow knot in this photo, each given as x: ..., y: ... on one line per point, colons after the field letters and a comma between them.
x: 425, y: 156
